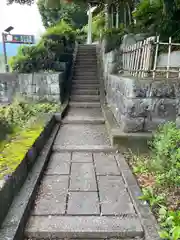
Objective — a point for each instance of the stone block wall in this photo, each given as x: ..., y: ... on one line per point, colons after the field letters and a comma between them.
x: 141, y: 105
x: 37, y: 86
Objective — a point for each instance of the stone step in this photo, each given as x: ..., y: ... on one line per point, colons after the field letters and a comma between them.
x: 83, y: 120
x: 85, y: 98
x: 67, y: 227
x: 87, y: 74
x: 85, y: 51
x: 85, y: 86
x: 85, y: 64
x: 86, y: 70
x: 86, y: 57
x: 86, y: 61
x: 85, y: 104
x: 85, y: 148
x: 90, y: 47
x: 85, y: 92
x: 84, y: 81
x: 85, y: 48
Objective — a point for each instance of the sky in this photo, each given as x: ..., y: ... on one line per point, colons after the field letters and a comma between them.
x: 24, y: 19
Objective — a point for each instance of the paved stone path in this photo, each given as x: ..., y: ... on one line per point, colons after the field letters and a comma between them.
x: 82, y: 194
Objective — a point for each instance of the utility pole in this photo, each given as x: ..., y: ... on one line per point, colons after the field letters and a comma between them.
x: 90, y: 14
x: 5, y: 54
x: 89, y: 37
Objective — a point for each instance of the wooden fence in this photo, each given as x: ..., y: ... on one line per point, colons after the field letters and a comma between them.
x: 140, y: 59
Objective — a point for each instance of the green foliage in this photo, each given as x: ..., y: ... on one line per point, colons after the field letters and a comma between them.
x: 166, y: 154
x: 113, y: 38
x: 98, y: 23
x: 163, y: 163
x: 14, y: 151
x: 140, y: 164
x: 81, y: 36
x: 17, y: 114
x: 170, y: 223
x: 55, y: 47
x: 153, y: 18
x: 153, y: 199
x: 148, y: 14
x: 72, y: 13
x: 25, y: 120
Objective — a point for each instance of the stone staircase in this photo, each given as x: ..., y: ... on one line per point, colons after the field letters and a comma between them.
x: 85, y: 84
x: 83, y: 194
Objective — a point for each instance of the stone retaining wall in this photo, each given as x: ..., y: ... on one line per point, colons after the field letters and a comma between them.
x: 37, y: 86
x: 10, y: 187
x: 139, y: 105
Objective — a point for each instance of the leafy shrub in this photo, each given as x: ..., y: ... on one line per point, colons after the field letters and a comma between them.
x: 72, y: 13
x: 81, y: 35
x: 159, y: 175
x: 170, y: 223
x: 152, y: 19
x: 113, y: 38
x: 55, y: 47
x: 19, y: 113
x: 166, y: 154
x: 22, y: 122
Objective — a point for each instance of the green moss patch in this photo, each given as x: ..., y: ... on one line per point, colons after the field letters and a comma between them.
x: 15, y: 151
x: 20, y: 125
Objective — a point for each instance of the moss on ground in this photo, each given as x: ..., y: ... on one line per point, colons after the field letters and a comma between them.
x: 15, y: 150
x: 20, y: 125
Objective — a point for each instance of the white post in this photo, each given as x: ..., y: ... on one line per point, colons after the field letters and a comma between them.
x: 117, y: 16
x: 89, y: 37
x: 106, y: 16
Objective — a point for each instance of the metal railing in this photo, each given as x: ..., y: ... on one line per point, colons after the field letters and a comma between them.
x: 141, y: 59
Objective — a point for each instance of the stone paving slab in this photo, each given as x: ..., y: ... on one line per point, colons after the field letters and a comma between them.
x: 87, y: 134
x: 83, y: 227
x: 81, y: 157
x: 84, y: 148
x: 83, y: 120
x: 59, y: 164
x: 83, y: 203
x: 51, y: 198
x: 82, y: 177
x: 106, y: 164
x: 136, y: 238
x: 114, y: 197
x: 84, y: 112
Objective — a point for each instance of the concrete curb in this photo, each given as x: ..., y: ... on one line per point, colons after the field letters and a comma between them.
x: 146, y: 217
x: 23, y: 194
x: 137, y: 142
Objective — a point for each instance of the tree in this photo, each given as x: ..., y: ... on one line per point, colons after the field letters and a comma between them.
x: 71, y: 13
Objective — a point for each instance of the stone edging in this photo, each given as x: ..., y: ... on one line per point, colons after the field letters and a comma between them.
x: 15, y: 220
x: 147, y: 218
x: 135, y: 141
